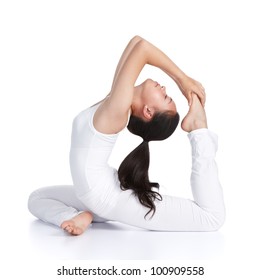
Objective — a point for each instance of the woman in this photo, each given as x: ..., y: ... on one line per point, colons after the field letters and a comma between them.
x: 102, y: 193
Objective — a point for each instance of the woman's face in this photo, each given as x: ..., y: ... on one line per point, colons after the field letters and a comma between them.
x: 154, y: 95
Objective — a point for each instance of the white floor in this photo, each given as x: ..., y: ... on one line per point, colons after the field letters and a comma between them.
x: 117, y: 241
x: 33, y: 248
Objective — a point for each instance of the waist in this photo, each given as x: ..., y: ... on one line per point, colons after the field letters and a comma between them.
x: 83, y: 158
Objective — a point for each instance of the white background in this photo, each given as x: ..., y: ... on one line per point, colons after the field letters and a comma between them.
x: 58, y: 57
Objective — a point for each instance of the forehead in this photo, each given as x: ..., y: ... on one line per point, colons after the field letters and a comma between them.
x: 149, y: 82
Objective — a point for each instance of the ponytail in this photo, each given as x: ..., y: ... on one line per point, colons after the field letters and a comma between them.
x: 133, y: 174
x: 133, y: 171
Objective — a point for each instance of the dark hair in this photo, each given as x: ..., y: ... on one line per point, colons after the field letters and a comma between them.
x: 133, y: 171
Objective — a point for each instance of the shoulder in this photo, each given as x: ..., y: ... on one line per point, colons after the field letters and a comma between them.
x: 108, y: 119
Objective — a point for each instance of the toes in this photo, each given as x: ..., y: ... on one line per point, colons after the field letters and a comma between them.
x: 77, y: 231
x: 68, y: 228
x: 65, y: 224
x: 72, y: 229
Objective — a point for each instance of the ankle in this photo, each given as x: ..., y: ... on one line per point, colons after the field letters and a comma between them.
x: 197, y: 124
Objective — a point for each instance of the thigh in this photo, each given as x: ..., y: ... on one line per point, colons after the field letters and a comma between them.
x: 172, y: 214
x: 64, y: 194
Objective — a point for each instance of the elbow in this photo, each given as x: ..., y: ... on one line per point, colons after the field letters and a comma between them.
x: 136, y: 39
x: 142, y: 46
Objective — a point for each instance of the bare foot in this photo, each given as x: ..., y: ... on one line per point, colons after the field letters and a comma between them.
x: 196, y: 117
x: 78, y: 224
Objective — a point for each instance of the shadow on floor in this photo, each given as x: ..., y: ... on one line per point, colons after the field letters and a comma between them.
x: 113, y: 240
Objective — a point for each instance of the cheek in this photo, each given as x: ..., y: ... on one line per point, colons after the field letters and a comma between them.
x: 158, y: 95
x: 153, y: 96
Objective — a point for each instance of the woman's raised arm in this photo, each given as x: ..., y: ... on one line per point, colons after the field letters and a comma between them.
x: 112, y: 114
x: 125, y: 54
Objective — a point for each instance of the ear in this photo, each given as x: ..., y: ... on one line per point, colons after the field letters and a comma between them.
x: 148, y: 112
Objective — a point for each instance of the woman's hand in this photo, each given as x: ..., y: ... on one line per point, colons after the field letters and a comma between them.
x: 188, y: 86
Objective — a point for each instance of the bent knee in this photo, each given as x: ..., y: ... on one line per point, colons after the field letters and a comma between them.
x: 217, y: 220
x: 32, y: 201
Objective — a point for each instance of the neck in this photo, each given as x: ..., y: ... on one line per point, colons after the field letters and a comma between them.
x: 137, y: 100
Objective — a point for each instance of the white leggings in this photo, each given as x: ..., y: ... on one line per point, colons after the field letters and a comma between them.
x: 205, y: 213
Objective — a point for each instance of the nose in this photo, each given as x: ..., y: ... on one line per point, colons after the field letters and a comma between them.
x: 157, y: 84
